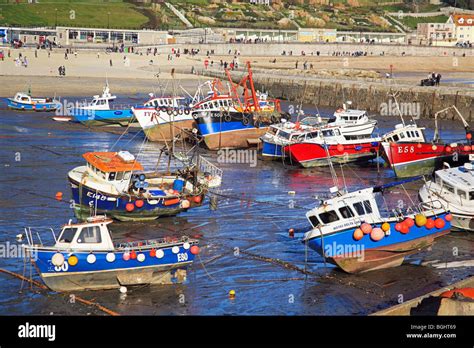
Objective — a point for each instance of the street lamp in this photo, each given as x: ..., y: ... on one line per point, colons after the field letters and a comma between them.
x: 108, y: 20
x: 56, y: 21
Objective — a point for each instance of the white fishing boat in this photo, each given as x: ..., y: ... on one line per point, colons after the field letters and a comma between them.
x: 453, y: 189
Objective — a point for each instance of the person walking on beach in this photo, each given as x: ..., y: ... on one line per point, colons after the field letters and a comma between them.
x: 438, y: 79
x: 65, y: 56
x: 110, y: 62
x: 36, y: 53
x: 296, y: 65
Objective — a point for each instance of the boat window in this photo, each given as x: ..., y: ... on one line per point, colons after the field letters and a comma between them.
x: 396, y: 138
x: 112, y: 176
x: 448, y: 188
x: 402, y: 136
x: 126, y: 175
x: 314, y: 220
x: 284, y: 135
x: 471, y: 196
x: 346, y: 212
x: 328, y: 217
x: 368, y: 207
x: 119, y: 176
x: 462, y: 194
x: 417, y: 134
x: 67, y: 235
x: 90, y: 234
x: 359, y: 208
x: 328, y: 133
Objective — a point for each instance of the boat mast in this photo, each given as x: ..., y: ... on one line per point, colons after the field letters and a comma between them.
x: 394, y: 96
x: 436, y: 131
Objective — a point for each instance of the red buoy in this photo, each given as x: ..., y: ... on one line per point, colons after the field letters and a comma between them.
x: 468, y: 136
x: 139, y: 203
x: 340, y: 147
x: 133, y: 255
x: 398, y: 226
x: 430, y: 224
x: 59, y: 195
x: 291, y: 232
x: 439, y: 223
x: 410, y: 222
x: 405, y: 228
x: 448, y: 217
x: 448, y: 149
x: 194, y: 250
x: 129, y: 207
x: 152, y: 252
x: 197, y: 199
x: 466, y: 148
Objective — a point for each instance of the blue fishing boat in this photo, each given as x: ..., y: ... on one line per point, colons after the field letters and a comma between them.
x: 115, y: 184
x: 85, y: 257
x: 25, y: 102
x: 350, y: 232
x: 99, y: 111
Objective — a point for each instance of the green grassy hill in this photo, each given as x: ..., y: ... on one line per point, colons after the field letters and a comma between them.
x: 368, y: 15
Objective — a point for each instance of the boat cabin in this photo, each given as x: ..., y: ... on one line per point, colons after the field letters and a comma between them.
x: 115, y: 168
x: 166, y: 102
x: 350, y: 116
x: 25, y: 98
x: 457, y: 182
x: 405, y: 134
x: 90, y: 235
x: 356, y: 206
x: 101, y: 102
x: 218, y: 103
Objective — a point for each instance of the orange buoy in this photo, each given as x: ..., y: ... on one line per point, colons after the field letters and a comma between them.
x: 171, y: 201
x: 340, y: 147
x: 377, y: 234
x: 466, y: 148
x: 434, y: 147
x: 448, y: 149
x: 194, y: 250
x: 466, y: 292
x: 419, y: 146
x: 358, y: 234
x: 133, y: 255
x: 398, y: 226
x: 139, y: 203
x: 197, y: 199
x: 439, y: 223
x: 429, y: 223
x: 410, y: 222
x: 291, y: 232
x: 468, y: 136
x: 129, y: 207
x: 448, y: 217
x: 152, y: 252
x: 385, y: 226
x: 366, y: 228
x: 72, y: 260
x: 59, y: 195
x: 420, y: 220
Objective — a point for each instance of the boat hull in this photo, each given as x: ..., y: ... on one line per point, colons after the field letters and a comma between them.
x: 103, y: 274
x: 233, y: 130
x: 315, y: 155
x: 39, y: 107
x: 272, y: 151
x: 161, y: 126
x: 341, y: 249
x: 94, y: 118
x: 413, y: 159
x: 87, y: 200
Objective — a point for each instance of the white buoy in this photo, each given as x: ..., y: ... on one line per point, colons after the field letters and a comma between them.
x: 141, y: 257
x: 186, y: 245
x: 159, y: 254
x: 110, y: 257
x: 91, y: 258
x: 175, y: 249
x: 123, y: 290
x: 57, y: 259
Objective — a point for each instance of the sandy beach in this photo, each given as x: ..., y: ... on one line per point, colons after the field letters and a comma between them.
x: 130, y: 74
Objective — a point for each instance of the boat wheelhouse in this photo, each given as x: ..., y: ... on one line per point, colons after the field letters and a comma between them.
x: 84, y: 256
x: 115, y: 184
x: 349, y: 230
x: 453, y: 189
x: 25, y: 102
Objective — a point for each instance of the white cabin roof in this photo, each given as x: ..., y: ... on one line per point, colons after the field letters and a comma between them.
x: 460, y: 177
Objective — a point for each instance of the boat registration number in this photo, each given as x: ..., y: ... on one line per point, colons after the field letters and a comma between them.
x: 406, y: 149
x: 182, y: 257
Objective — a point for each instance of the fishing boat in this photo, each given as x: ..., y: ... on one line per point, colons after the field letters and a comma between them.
x: 325, y: 145
x: 349, y: 231
x: 25, y: 102
x: 85, y: 257
x: 226, y: 121
x: 99, y: 111
x: 409, y: 153
x: 164, y: 118
x: 352, y: 124
x: 453, y: 189
x: 115, y: 184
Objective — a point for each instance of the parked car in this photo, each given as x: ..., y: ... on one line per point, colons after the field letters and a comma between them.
x: 428, y: 82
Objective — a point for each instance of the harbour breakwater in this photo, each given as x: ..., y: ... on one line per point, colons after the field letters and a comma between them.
x: 373, y: 96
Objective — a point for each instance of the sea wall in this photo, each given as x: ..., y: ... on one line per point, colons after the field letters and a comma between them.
x: 371, y: 96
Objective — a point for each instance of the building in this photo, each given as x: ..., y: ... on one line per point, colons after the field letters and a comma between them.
x: 261, y: 2
x: 437, y: 34
x: 317, y: 35
x: 463, y: 27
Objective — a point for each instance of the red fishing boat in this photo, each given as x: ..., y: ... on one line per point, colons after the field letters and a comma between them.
x: 410, y: 154
x: 323, y: 146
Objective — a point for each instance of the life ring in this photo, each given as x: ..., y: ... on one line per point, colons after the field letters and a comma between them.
x: 245, y: 120
x: 227, y: 118
x: 169, y: 111
x: 186, y: 111
x: 180, y: 111
x: 175, y: 112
